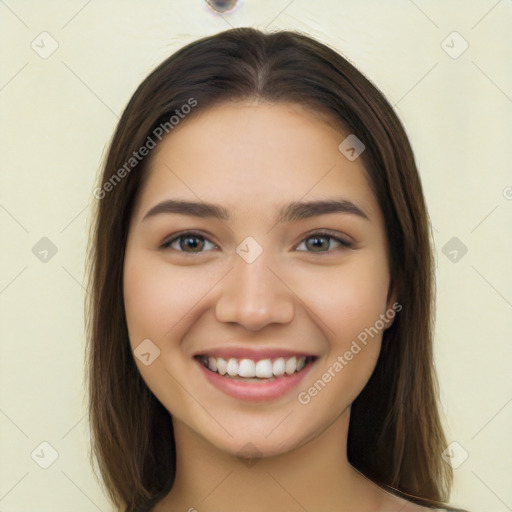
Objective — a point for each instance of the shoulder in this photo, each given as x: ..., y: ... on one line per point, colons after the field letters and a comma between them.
x: 394, y: 503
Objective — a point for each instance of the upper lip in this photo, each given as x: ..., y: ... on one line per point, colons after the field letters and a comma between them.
x: 252, y: 353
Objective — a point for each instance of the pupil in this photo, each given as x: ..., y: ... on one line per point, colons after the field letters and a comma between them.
x: 317, y: 242
x: 193, y: 242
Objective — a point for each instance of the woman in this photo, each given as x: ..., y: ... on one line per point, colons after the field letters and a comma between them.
x: 261, y: 277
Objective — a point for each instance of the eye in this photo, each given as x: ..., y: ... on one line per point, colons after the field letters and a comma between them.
x: 194, y: 243
x: 321, y: 242
x: 182, y: 243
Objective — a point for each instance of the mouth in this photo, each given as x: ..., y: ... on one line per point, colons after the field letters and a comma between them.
x: 255, y: 370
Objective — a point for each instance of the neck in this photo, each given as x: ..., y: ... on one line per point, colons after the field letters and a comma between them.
x: 314, y: 476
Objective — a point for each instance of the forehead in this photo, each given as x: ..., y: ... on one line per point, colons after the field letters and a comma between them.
x: 255, y: 155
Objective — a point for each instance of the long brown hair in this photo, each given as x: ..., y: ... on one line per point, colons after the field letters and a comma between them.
x: 395, y: 435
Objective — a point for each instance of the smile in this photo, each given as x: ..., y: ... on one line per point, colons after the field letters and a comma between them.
x: 256, y: 370
x: 255, y: 380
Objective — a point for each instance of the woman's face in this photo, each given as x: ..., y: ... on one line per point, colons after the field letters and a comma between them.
x: 271, y: 271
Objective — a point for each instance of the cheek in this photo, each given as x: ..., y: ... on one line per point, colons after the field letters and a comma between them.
x: 355, y: 317
x: 144, y: 294
x: 347, y: 298
x: 152, y: 305
x: 155, y: 311
x: 350, y: 302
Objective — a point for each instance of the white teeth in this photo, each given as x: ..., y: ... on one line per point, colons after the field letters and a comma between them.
x: 221, y: 366
x: 212, y: 363
x: 278, y: 367
x: 232, y: 367
x: 291, y: 365
x: 249, y: 368
x: 264, y: 369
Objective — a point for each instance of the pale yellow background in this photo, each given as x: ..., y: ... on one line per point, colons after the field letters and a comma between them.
x: 58, y: 114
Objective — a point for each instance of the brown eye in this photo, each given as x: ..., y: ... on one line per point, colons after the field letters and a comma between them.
x: 194, y: 243
x: 318, y: 243
x: 321, y: 242
x: 187, y: 242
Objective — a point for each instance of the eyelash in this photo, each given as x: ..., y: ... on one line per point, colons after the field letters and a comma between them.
x: 166, y: 245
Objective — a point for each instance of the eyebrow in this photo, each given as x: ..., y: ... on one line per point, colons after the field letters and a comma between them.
x: 294, y: 211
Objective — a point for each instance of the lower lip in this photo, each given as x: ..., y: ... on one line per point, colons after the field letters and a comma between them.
x: 256, y: 391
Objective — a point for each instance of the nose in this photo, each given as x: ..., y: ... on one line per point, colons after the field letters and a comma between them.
x: 253, y: 296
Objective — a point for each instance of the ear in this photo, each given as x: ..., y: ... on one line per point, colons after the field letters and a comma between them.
x: 393, y: 306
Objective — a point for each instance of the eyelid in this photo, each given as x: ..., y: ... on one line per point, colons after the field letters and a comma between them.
x: 345, y: 243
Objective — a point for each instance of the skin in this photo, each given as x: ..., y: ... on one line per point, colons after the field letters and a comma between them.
x: 252, y: 158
